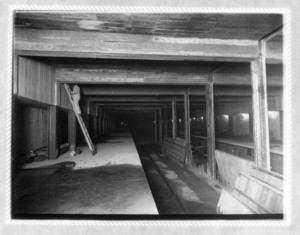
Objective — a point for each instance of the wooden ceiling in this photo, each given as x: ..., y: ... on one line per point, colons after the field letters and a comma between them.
x: 196, y: 25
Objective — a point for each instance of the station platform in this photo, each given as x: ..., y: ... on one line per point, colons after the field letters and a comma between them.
x: 111, y: 182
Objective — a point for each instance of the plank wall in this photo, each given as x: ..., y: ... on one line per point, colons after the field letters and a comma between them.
x: 36, y: 80
x: 31, y: 126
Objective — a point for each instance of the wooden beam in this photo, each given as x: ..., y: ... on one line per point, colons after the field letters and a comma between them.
x: 72, y: 130
x: 138, y: 91
x: 210, y: 129
x: 174, y: 118
x: 135, y: 99
x: 243, y: 91
x: 115, y: 105
x: 260, y: 110
x: 121, y: 74
x: 128, y: 46
x: 244, y: 79
x: 52, y: 140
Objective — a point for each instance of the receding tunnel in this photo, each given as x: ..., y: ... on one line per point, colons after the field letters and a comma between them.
x: 165, y: 120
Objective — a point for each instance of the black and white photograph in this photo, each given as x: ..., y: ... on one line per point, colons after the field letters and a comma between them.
x: 148, y: 116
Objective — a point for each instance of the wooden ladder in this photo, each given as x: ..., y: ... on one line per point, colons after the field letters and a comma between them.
x: 81, y: 123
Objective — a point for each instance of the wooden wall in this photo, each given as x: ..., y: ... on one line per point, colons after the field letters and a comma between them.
x: 64, y: 101
x: 36, y: 80
x: 31, y: 126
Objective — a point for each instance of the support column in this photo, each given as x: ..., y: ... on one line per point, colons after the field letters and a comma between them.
x: 160, y: 126
x: 155, y: 126
x: 230, y: 125
x: 52, y: 139
x: 105, y: 124
x: 187, y: 125
x: 95, y: 127
x: 210, y: 120
x: 72, y: 129
x: 174, y: 118
x: 260, y: 110
x: 165, y: 121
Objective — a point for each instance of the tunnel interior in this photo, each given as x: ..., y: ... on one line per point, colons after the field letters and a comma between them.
x: 197, y: 125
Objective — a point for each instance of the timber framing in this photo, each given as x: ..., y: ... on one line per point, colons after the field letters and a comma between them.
x: 100, y: 45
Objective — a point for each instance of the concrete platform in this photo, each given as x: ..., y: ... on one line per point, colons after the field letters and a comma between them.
x: 111, y: 182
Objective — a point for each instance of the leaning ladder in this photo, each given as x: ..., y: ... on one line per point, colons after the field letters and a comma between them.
x: 81, y: 123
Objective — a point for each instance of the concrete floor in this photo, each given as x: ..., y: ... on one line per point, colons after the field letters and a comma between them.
x: 110, y: 182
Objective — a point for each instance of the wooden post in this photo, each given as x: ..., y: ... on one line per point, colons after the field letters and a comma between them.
x: 101, y: 122
x: 210, y: 120
x: 230, y: 125
x: 155, y: 126
x: 166, y: 121
x: 95, y: 127
x: 187, y: 125
x: 72, y: 129
x: 160, y: 126
x: 52, y: 139
x: 260, y: 109
x: 174, y: 118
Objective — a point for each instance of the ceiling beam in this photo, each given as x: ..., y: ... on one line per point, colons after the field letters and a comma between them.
x: 160, y: 91
x: 186, y: 75
x: 129, y: 46
x: 136, y: 99
x: 138, y: 91
x: 243, y: 79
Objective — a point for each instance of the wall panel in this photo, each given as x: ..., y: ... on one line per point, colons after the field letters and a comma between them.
x: 36, y: 80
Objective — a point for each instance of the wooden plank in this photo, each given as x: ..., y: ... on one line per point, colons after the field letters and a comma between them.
x: 52, y: 131
x: 116, y: 105
x: 165, y: 121
x: 260, y: 110
x: 100, y: 45
x: 244, y: 91
x: 160, y: 126
x: 155, y: 127
x: 244, y: 79
x: 15, y: 73
x: 187, y: 126
x: 175, y: 26
x: 127, y: 99
x: 124, y: 74
x: 72, y: 130
x: 168, y: 91
x: 174, y: 118
x: 36, y: 80
x: 210, y: 129
x: 141, y: 108
x: 95, y: 125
